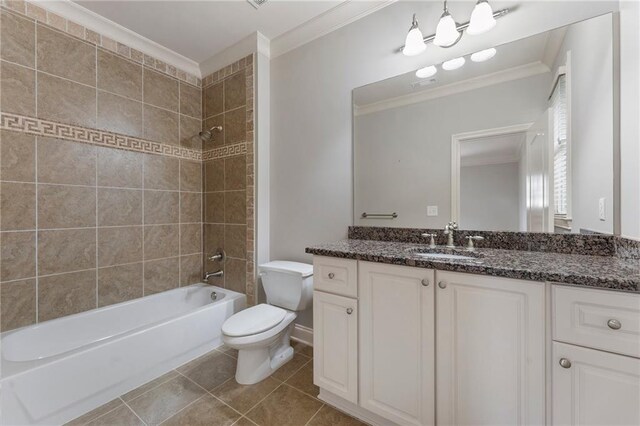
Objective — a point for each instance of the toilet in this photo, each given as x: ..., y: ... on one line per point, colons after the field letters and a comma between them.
x: 261, y: 333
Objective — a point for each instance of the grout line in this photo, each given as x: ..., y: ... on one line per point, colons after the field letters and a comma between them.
x: 132, y: 410
x: 315, y: 414
x: 183, y: 408
x: 149, y: 390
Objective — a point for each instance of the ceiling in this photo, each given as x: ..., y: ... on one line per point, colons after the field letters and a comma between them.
x: 200, y: 29
x: 491, y: 150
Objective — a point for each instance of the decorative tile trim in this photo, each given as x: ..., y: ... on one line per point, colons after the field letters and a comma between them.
x: 225, y: 151
x: 245, y: 63
x: 38, y: 14
x: 52, y: 129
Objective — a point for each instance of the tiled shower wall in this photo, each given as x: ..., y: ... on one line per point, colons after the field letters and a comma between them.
x: 100, y: 174
x: 229, y: 175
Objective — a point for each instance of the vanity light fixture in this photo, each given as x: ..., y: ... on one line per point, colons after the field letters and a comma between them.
x: 483, y: 55
x: 447, y: 33
x: 426, y: 72
x: 482, y: 19
x: 414, y: 43
x: 453, y: 64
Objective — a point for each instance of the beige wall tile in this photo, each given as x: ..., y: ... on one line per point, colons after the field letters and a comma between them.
x: 18, y: 36
x: 118, y: 207
x: 56, y: 21
x: 161, y: 172
x: 235, y: 126
x: 66, y: 162
x: 118, y: 75
x: 214, y: 175
x: 18, y: 205
x: 218, y: 137
x: 160, y: 90
x: 213, y: 100
x: 36, y: 12
x: 74, y: 29
x: 66, y: 250
x: 161, y: 275
x: 190, y: 207
x: 119, y: 168
x: 120, y: 115
x: 65, y: 56
x: 17, y: 304
x: 17, y: 156
x: 235, y: 172
x: 236, y: 275
x: 62, y: 206
x: 190, y: 238
x: 235, y: 91
x: 66, y: 294
x: 18, y: 88
x: 161, y: 241
x: 66, y: 101
x: 119, y: 283
x: 214, y: 207
x: 213, y: 237
x: 17, y: 255
x: 189, y: 130
x: 161, y: 207
x: 161, y: 125
x: 190, y: 101
x: 235, y: 207
x: 119, y: 245
x: 235, y: 241
x: 190, y: 176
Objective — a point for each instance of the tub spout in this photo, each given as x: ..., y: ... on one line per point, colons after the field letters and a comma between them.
x: 208, y: 275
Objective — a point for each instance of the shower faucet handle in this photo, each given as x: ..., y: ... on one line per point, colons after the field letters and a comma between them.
x: 219, y: 255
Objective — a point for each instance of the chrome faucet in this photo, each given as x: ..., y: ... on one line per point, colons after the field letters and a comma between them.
x: 448, y: 231
x: 208, y: 275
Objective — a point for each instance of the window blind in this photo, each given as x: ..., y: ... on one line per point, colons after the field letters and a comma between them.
x: 560, y: 150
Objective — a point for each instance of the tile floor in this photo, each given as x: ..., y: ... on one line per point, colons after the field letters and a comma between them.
x: 204, y: 392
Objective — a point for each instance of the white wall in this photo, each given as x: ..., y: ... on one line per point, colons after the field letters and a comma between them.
x: 403, y: 155
x: 490, y: 197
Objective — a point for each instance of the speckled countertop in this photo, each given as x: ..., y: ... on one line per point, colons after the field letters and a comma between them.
x: 607, y: 272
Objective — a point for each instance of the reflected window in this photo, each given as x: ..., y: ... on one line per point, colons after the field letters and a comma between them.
x: 561, y: 157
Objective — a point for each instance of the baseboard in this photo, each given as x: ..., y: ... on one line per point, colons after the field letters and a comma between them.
x: 302, y: 334
x: 353, y: 410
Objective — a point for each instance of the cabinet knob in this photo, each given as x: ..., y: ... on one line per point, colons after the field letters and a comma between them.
x: 565, y: 363
x: 425, y: 282
x: 614, y: 324
x: 442, y: 284
x: 331, y: 275
x: 349, y: 311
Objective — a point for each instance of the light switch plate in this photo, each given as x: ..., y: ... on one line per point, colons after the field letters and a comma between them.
x: 432, y: 210
x: 602, y: 209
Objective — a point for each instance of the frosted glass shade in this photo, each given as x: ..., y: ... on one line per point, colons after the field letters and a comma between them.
x: 446, y: 31
x: 414, y: 43
x: 482, y: 19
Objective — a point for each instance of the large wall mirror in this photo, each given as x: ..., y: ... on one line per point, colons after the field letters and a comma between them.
x: 518, y: 138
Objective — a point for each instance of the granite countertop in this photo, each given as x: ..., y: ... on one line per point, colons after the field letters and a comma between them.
x: 607, y: 272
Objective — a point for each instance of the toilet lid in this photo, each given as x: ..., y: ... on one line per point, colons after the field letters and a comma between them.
x: 253, y: 320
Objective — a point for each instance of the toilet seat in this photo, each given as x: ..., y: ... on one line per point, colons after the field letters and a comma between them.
x: 254, y: 320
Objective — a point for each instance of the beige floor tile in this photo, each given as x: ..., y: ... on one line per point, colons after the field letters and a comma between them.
x: 328, y: 416
x: 229, y: 351
x: 210, y: 370
x: 303, y: 380
x: 243, y: 421
x: 286, y: 406
x: 121, y: 416
x: 207, y: 411
x: 148, y: 386
x: 95, y: 413
x: 302, y: 349
x: 166, y: 400
x: 291, y: 367
x: 245, y: 397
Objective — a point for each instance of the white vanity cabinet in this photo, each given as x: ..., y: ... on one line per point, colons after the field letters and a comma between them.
x: 490, y: 350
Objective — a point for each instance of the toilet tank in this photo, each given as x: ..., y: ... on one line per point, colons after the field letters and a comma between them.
x: 288, y: 285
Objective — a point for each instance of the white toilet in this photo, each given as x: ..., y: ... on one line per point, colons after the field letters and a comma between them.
x: 261, y: 333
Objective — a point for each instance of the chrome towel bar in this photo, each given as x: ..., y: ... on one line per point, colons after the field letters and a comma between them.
x: 393, y: 215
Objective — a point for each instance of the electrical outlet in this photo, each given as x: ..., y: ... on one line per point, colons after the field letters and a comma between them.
x: 432, y: 210
x: 602, y: 209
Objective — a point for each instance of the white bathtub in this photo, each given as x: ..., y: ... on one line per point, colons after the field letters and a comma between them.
x: 54, y: 371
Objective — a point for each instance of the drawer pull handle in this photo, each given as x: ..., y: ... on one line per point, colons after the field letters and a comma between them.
x: 614, y: 324
x: 442, y: 284
x: 425, y: 282
x: 565, y: 363
x: 349, y: 311
x: 331, y: 275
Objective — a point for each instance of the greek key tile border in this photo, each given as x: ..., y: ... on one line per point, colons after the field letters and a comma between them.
x: 225, y: 151
x: 52, y: 129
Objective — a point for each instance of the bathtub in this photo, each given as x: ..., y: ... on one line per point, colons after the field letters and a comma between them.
x: 57, y: 370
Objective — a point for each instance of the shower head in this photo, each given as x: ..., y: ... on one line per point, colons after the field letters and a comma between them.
x: 207, y: 135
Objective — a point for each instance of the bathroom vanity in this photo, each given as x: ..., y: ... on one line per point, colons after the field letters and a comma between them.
x: 400, y: 338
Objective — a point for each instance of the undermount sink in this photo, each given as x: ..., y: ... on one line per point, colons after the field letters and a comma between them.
x: 444, y: 256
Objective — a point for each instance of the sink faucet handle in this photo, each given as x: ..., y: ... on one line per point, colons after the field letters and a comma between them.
x: 471, y: 239
x: 432, y: 242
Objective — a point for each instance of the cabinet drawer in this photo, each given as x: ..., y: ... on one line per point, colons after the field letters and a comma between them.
x: 333, y: 275
x: 597, y: 319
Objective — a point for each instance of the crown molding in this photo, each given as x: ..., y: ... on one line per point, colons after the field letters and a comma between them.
x: 254, y: 43
x: 329, y: 21
x: 91, y: 20
x: 515, y: 73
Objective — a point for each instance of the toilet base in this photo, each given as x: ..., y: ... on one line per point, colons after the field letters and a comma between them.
x: 257, y: 363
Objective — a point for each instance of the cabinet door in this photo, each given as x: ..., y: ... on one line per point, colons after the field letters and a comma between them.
x: 490, y: 359
x: 335, y: 344
x: 594, y: 387
x: 397, y: 342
